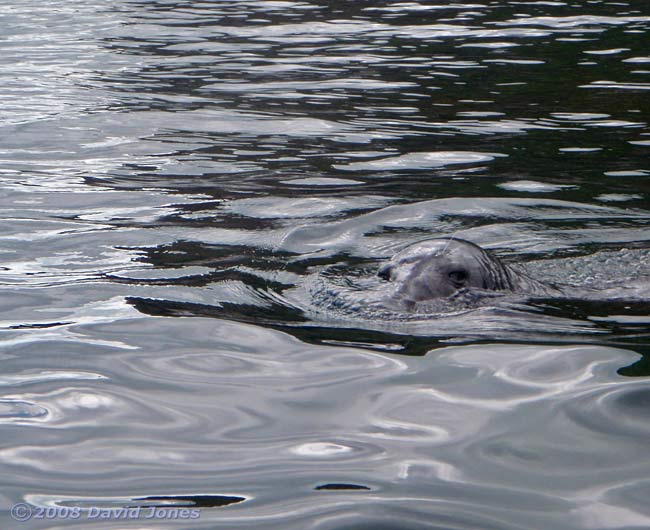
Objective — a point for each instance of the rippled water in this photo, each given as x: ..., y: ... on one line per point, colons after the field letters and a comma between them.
x: 196, y: 197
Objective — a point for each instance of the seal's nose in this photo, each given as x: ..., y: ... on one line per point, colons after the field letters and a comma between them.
x: 384, y: 272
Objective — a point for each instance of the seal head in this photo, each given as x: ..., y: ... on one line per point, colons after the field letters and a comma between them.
x: 438, y: 268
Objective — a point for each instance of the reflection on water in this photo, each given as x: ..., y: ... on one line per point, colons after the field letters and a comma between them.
x: 197, y: 196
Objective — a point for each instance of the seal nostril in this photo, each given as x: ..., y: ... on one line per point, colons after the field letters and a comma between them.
x: 384, y: 273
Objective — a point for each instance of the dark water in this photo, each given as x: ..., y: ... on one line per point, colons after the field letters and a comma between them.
x: 196, y: 196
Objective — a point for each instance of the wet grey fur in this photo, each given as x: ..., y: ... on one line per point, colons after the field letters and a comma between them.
x: 449, y: 267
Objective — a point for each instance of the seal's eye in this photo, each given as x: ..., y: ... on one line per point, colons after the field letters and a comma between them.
x: 458, y: 277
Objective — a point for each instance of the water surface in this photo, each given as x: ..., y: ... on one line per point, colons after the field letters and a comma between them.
x: 196, y: 197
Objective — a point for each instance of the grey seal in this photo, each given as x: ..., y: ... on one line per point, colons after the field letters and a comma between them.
x: 448, y: 267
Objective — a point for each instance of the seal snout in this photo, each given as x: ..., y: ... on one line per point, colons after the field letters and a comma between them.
x: 384, y: 272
